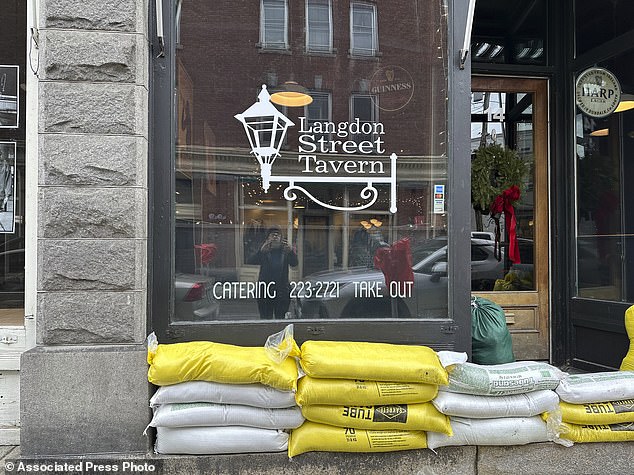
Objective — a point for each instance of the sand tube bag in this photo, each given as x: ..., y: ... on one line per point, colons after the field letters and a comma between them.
x: 503, y: 379
x: 628, y: 362
x: 503, y: 431
x: 490, y: 407
x: 597, y: 387
x: 313, y: 437
x: 396, y: 416
x: 598, y: 413
x: 209, y: 414
x: 376, y: 361
x: 257, y: 395
x: 218, y: 362
x: 218, y: 440
x: 361, y: 393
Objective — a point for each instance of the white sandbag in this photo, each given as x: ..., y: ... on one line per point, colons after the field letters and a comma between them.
x: 502, y: 431
x: 210, y: 414
x: 503, y: 379
x: 597, y: 387
x: 218, y: 440
x: 257, y: 395
x: 491, y: 407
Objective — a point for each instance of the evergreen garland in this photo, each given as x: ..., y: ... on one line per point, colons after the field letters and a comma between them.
x: 493, y: 170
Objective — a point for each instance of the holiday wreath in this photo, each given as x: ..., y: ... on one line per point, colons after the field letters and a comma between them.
x: 497, y: 178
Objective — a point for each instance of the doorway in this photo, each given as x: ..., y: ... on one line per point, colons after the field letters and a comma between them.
x: 509, y: 144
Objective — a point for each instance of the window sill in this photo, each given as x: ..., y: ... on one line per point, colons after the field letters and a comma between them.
x: 272, y: 49
x: 324, y: 54
x: 371, y: 57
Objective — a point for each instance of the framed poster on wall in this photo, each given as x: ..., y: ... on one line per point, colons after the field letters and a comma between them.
x: 9, y: 97
x: 7, y: 187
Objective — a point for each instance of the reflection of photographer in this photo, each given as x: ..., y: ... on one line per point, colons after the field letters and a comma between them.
x: 274, y: 257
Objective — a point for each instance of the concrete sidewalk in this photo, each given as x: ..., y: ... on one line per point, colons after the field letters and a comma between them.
x: 533, y: 459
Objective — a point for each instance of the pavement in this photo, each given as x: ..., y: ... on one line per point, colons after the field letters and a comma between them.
x: 616, y: 458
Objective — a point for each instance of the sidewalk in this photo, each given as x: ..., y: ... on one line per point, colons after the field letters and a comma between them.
x: 532, y: 459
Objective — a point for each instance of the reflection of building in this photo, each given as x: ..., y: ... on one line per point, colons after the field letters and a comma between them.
x: 351, y: 58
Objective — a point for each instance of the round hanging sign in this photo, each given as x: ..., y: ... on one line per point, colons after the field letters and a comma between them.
x: 597, y: 92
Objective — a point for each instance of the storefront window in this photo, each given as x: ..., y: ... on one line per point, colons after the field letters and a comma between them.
x: 324, y: 203
x: 502, y: 125
x: 12, y: 163
x: 605, y: 217
x: 599, y: 22
x: 510, y: 32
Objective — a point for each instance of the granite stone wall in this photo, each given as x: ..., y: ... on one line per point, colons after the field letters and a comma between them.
x: 92, y: 231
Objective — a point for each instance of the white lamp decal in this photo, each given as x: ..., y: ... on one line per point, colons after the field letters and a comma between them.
x: 266, y: 128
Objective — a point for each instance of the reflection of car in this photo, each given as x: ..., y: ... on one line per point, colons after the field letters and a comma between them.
x: 360, y: 292
x: 193, y: 298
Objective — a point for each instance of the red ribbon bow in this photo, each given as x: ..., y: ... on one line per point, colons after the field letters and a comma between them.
x: 504, y: 203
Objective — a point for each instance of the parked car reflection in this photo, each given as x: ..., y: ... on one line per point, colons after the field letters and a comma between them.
x: 429, y: 297
x: 193, y: 298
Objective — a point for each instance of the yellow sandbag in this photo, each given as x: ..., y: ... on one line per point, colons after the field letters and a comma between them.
x: 597, y: 433
x: 598, y: 413
x: 372, y: 361
x: 218, y: 362
x: 361, y: 393
x: 628, y: 361
x: 395, y: 416
x: 313, y: 437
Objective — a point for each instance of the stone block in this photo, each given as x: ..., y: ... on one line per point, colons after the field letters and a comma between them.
x: 92, y: 264
x: 93, y: 160
x: 91, y: 317
x: 449, y: 460
x: 114, y: 15
x: 71, y: 212
x: 93, y: 56
x: 93, y: 108
x: 83, y: 400
x: 539, y: 459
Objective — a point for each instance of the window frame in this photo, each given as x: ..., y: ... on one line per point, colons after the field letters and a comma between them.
x: 452, y: 332
x: 263, y: 43
x: 354, y: 51
x: 329, y: 47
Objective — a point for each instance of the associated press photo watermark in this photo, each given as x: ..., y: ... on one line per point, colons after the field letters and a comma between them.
x: 84, y: 466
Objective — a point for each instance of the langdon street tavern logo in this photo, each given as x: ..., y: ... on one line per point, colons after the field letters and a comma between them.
x: 266, y: 128
x: 345, y: 131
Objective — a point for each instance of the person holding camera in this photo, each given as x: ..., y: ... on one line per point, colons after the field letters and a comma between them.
x: 274, y: 257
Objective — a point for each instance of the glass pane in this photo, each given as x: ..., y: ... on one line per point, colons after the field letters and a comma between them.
x: 605, y: 205
x: 510, y: 32
x: 502, y: 156
x: 301, y: 211
x: 12, y: 162
x: 598, y: 22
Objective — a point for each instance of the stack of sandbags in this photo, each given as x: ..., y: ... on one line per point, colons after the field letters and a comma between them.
x: 497, y: 404
x: 219, y: 399
x: 368, y: 397
x: 596, y: 407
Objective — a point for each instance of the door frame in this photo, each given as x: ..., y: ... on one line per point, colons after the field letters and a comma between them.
x: 516, y: 304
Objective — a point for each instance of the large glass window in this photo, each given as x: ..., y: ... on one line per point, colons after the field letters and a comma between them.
x: 12, y: 161
x: 318, y: 25
x: 320, y: 208
x: 605, y: 217
x: 510, y: 32
x: 598, y: 22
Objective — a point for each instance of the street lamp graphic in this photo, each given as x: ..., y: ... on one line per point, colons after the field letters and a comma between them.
x: 266, y: 128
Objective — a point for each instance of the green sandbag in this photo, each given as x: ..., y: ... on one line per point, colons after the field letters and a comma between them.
x: 490, y: 338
